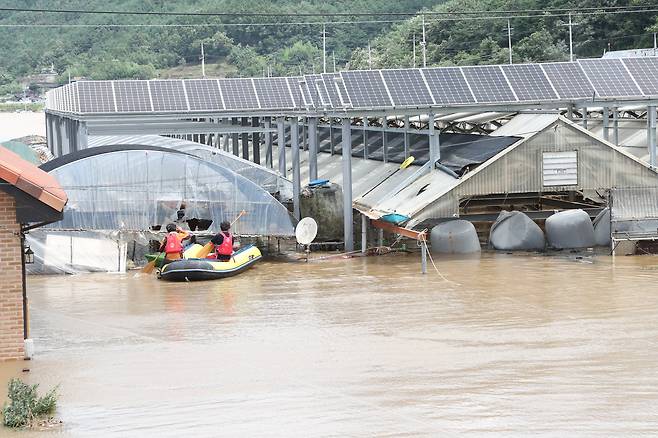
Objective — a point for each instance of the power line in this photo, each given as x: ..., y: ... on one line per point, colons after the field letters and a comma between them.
x: 600, y: 9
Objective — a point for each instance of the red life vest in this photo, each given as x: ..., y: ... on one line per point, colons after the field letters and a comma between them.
x: 173, y: 244
x: 226, y: 247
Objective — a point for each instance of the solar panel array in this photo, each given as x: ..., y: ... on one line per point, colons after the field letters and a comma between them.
x: 623, y: 79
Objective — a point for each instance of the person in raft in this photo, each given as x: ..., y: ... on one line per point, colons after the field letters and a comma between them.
x: 172, y: 245
x: 223, y: 242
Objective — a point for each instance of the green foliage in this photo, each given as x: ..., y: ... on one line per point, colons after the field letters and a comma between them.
x: 25, y: 406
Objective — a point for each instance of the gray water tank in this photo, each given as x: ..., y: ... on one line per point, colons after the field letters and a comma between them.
x: 325, y: 205
x: 515, y: 231
x: 454, y: 237
x: 602, y: 228
x: 570, y: 229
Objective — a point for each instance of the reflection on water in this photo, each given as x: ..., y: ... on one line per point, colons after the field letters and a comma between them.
x: 523, y: 345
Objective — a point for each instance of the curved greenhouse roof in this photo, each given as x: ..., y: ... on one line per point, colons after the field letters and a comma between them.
x: 132, y: 189
x: 266, y: 178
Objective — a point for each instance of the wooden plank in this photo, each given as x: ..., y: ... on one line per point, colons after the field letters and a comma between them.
x: 387, y: 226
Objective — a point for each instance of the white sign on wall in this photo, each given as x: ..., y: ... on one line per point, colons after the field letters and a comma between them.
x: 560, y: 168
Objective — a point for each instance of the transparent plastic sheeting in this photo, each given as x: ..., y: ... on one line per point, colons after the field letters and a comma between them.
x: 268, y: 179
x: 134, y: 190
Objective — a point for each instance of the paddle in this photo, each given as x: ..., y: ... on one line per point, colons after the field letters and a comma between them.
x: 208, y: 246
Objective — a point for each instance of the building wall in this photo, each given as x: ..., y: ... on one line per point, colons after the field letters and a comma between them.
x: 11, y: 290
x: 600, y: 167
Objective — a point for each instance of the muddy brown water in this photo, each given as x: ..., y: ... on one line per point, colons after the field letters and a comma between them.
x: 524, y: 345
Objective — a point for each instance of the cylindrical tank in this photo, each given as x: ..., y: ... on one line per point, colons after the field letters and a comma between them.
x: 454, y: 237
x: 515, y: 231
x: 570, y: 229
x: 602, y: 228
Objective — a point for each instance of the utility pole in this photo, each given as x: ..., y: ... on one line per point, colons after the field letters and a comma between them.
x: 570, y: 38
x: 509, y: 39
x: 414, y: 45
x: 424, y: 44
x: 203, y: 62
x: 324, y: 48
x: 369, y: 57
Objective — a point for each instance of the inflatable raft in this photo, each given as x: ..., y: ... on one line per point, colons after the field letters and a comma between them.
x: 195, y: 269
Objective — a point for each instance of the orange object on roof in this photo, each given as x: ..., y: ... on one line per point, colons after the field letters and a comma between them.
x: 30, y: 179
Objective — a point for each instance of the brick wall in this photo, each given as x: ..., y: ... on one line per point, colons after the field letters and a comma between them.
x: 11, y: 291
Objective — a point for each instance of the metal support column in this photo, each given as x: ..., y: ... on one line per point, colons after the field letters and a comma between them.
x: 615, y: 126
x: 652, y: 135
x: 312, y: 148
x: 281, y: 140
x: 570, y: 112
x: 365, y: 137
x: 235, y: 139
x: 423, y: 257
x: 332, y: 141
x: 406, y: 137
x: 384, y: 142
x: 268, y: 144
x: 435, y: 152
x: 245, y: 139
x: 348, y: 229
x: 585, y: 115
x: 364, y: 233
x: 296, y: 178
x: 255, y: 140
x: 606, y: 123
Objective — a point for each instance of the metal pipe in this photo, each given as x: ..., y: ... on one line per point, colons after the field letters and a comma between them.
x: 652, y: 135
x: 348, y: 228
x: 313, y: 148
x: 423, y: 257
x: 26, y: 327
x: 296, y: 183
x: 606, y: 123
x: 281, y: 140
x: 364, y: 233
x: 615, y: 126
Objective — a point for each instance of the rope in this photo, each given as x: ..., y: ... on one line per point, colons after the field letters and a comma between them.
x: 423, y: 247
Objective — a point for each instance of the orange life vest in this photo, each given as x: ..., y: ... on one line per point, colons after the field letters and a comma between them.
x: 173, y: 244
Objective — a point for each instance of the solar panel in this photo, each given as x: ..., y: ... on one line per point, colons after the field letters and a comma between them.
x: 168, y: 96
x: 488, y: 84
x: 320, y: 98
x: 609, y: 77
x: 568, y: 80
x: 203, y: 94
x: 238, y: 94
x: 407, y: 87
x: 132, y: 96
x: 96, y: 97
x: 529, y: 82
x: 645, y: 72
x: 297, y: 88
x: 273, y: 93
x: 366, y: 89
x: 330, y: 85
x: 448, y: 85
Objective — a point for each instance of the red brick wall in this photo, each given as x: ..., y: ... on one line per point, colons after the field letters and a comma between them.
x: 11, y: 291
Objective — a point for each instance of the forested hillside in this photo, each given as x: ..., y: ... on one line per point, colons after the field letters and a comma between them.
x: 110, y: 46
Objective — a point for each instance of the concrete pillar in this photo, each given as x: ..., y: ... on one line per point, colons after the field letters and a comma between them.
x: 615, y: 126
x: 281, y: 139
x: 245, y: 139
x: 406, y: 137
x: 296, y: 178
x: 312, y: 148
x: 348, y: 228
x: 268, y: 145
x: 606, y: 123
x: 364, y: 233
x: 652, y: 135
x: 255, y: 140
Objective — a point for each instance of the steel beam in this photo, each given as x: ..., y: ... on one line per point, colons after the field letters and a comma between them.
x: 348, y: 226
x: 296, y: 178
x: 312, y: 148
x: 281, y: 140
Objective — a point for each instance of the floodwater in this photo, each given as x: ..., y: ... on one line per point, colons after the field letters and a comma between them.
x: 20, y: 124
x: 524, y: 345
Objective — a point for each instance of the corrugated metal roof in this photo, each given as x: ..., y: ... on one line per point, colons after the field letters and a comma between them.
x: 526, y: 125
